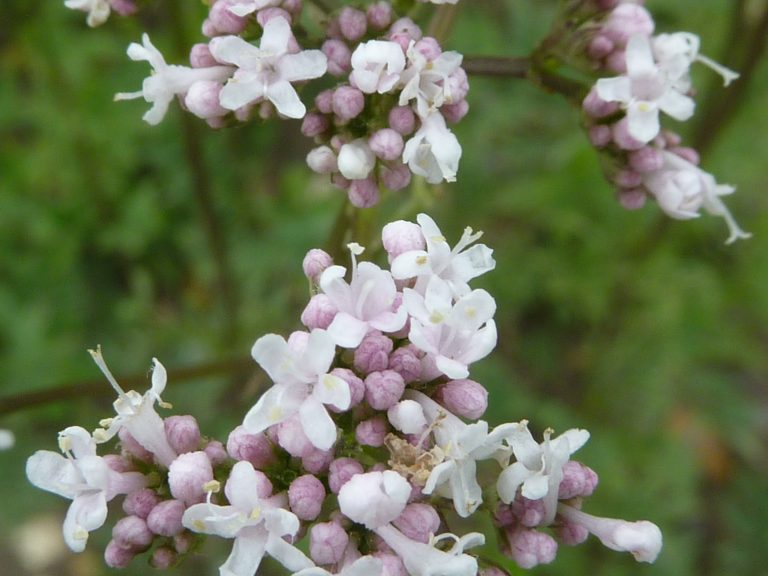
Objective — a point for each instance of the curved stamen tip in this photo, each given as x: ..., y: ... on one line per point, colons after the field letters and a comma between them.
x: 99, y: 360
x: 355, y: 248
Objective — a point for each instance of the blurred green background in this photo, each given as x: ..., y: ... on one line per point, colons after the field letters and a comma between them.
x: 185, y: 243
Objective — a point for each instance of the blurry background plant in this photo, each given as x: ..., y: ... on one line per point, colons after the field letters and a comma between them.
x: 185, y: 243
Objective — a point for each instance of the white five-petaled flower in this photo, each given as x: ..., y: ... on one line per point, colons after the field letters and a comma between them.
x: 539, y: 467
x: 376, y: 66
x: 137, y: 413
x: 167, y: 80
x: 302, y: 385
x: 433, y: 151
x: 461, y: 445
x: 368, y: 302
x: 426, y: 80
x: 83, y: 477
x: 98, y: 10
x: 256, y: 522
x: 681, y: 189
x: 453, y: 335
x: 266, y: 72
x: 456, y: 266
x: 646, y: 89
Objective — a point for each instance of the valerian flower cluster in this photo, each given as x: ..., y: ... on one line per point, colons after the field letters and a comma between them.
x: 394, y: 92
x: 367, y: 443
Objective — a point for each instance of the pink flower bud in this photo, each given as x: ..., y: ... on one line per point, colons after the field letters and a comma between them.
x: 628, y: 20
x: 363, y: 193
x: 324, y: 101
x: 372, y: 432
x: 372, y: 354
x: 322, y: 160
x: 383, y: 389
x: 392, y: 564
x: 465, y: 398
x: 596, y: 107
x: 216, y: 453
x: 265, y: 15
x: 140, y: 502
x: 340, y: 471
x: 632, y: 199
x: 403, y: 31
x: 183, y: 541
x: 570, y: 534
x: 458, y: 85
x: 292, y: 6
x: 530, y: 548
x: 327, y: 542
x: 116, y: 556
x: 407, y: 416
x: 600, y: 135
x: 124, y: 7
x: 355, y: 160
x: 255, y: 448
x: 165, y: 518
x: 317, y: 461
x: 627, y: 179
x: 183, y: 433
x: 386, y: 143
x: 202, y: 99
x: 164, y: 558
x: 131, y: 448
x: 401, y: 236
x: 578, y: 481
x: 292, y: 438
x: 200, y: 56
x: 647, y: 159
x: 132, y: 532
x: 599, y: 47
x: 315, y: 261
x: 405, y: 361
x: 352, y: 23
x: 224, y: 21
x: 305, y: 497
x: 530, y: 513
x: 339, y: 57
x: 616, y: 62
x: 119, y: 463
x: 623, y: 138
x: 402, y: 120
x: 314, y: 125
x: 453, y: 113
x: 356, y: 386
x: 686, y: 153
x: 503, y: 515
x: 395, y: 176
x: 187, y: 475
x: 348, y: 102
x: 428, y: 47
x: 418, y: 522
x: 379, y: 15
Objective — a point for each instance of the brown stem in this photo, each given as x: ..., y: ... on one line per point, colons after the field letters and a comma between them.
x: 100, y: 388
x: 497, y: 66
x: 720, y: 107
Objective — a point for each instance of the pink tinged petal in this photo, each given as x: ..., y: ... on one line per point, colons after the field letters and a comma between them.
x: 247, y: 552
x: 268, y: 411
x: 235, y: 50
x: 242, y: 486
x: 272, y: 354
x: 617, y: 89
x: 678, y: 106
x: 319, y: 353
x: 332, y: 390
x: 86, y: 513
x: 643, y: 121
x: 414, y: 304
x: 410, y: 264
x: 334, y: 286
x: 390, y: 321
x: 280, y: 522
x: 277, y: 34
x: 424, y: 337
x: 510, y: 480
x: 481, y: 344
x: 223, y: 521
x: 287, y: 554
x: 639, y: 55
x: 303, y: 65
x: 95, y: 471
x: 318, y: 425
x: 285, y: 99
x: 473, y: 310
x: 347, y: 331
x: 452, y: 368
x: 237, y: 93
x: 53, y: 472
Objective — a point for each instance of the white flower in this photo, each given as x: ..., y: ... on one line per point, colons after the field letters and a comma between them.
x: 374, y: 498
x: 376, y: 66
x: 364, y: 304
x: 679, y: 50
x: 356, y: 159
x: 302, y: 385
x: 539, y: 467
x: 98, y: 10
x: 363, y: 566
x: 256, y: 524
x: 433, y: 151
x: 642, y: 539
x: 453, y: 335
x: 251, y: 6
x: 461, y: 446
x: 681, y: 189
x: 646, y: 89
x: 83, y: 477
x: 426, y: 81
x: 456, y: 266
x: 137, y: 413
x: 266, y: 72
x: 426, y: 560
x: 166, y: 80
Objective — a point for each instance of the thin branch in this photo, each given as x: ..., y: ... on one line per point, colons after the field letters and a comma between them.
x: 99, y: 388
x: 497, y: 66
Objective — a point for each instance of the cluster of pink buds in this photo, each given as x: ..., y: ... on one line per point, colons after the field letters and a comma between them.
x: 365, y: 446
x: 622, y: 113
